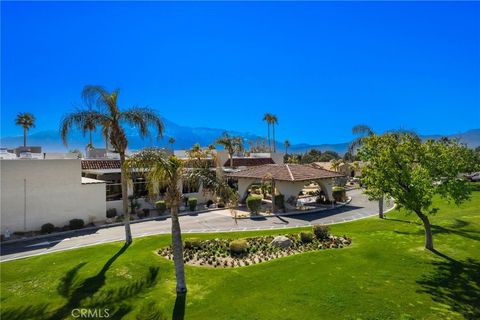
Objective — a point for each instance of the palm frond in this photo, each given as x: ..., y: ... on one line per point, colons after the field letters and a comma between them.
x: 362, y: 129
x: 143, y: 117
x: 80, y: 119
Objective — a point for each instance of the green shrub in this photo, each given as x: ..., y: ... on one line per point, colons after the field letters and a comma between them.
x: 321, y: 231
x: 306, y: 237
x: 280, y: 201
x: 192, y: 243
x: 339, y: 194
x: 161, y: 206
x: 111, y: 213
x: 47, y: 228
x: 192, y: 203
x: 221, y: 205
x: 238, y: 246
x: 75, y: 224
x: 254, y: 203
x: 146, y: 212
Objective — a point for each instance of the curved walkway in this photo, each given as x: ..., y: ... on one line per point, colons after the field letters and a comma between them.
x: 213, y: 221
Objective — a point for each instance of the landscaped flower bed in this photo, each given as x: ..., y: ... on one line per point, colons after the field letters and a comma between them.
x: 222, y: 253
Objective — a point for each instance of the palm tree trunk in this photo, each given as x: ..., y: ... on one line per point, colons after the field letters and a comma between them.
x: 286, y: 150
x: 273, y: 133
x: 24, y: 137
x: 231, y: 160
x: 91, y: 144
x: 380, y: 208
x: 126, y: 213
x: 428, y: 230
x: 269, y: 142
x: 177, y: 246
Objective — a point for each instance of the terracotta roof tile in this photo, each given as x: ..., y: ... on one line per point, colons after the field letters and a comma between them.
x: 286, y: 172
x: 248, y: 162
x: 100, y: 164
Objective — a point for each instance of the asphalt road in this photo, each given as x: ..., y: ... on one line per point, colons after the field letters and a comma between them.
x: 212, y: 221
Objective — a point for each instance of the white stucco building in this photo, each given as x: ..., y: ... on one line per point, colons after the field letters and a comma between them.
x: 39, y: 191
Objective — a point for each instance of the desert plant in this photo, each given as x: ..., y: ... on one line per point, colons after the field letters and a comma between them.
x: 75, y: 224
x: 321, y: 231
x: 254, y: 204
x: 192, y: 203
x: 193, y: 243
x: 111, y: 212
x: 306, y: 237
x: 161, y: 206
x: 47, y: 228
x: 238, y: 246
x: 133, y: 204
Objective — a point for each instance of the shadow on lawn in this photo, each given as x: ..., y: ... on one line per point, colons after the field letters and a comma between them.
x: 456, y: 284
x: 458, y: 228
x: 87, y: 294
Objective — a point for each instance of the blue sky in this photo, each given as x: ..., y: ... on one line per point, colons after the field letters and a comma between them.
x: 321, y: 67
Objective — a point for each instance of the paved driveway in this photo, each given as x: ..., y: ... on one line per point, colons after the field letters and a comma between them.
x: 213, y: 221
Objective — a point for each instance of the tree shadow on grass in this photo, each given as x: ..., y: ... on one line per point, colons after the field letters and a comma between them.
x: 179, y: 308
x: 455, y: 284
x: 87, y: 294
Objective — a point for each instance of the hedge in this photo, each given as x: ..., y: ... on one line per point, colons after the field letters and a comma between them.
x: 254, y: 203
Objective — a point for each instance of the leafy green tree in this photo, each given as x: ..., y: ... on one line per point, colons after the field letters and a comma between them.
x: 412, y: 172
x: 27, y: 121
x: 111, y: 119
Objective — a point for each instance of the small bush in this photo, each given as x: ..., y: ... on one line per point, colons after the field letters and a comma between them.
x: 193, y: 243
x: 161, y: 206
x: 192, y: 203
x: 221, y: 205
x: 254, y: 204
x: 146, y: 212
x: 47, y: 228
x: 339, y: 194
x: 280, y: 201
x: 75, y: 224
x: 238, y: 246
x: 321, y: 231
x: 306, y: 237
x: 111, y: 213
x: 209, y: 203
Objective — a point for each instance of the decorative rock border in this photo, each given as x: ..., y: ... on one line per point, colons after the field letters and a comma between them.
x: 216, y: 253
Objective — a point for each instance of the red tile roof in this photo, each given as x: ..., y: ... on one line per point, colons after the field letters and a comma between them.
x: 100, y: 164
x: 286, y: 172
x: 248, y: 162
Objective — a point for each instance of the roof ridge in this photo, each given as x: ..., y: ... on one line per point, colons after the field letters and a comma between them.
x: 289, y: 172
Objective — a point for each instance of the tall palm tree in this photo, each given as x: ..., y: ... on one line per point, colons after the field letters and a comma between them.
x: 27, y: 121
x: 267, y: 117
x: 168, y: 172
x: 111, y: 120
x: 362, y: 131
x: 286, y: 143
x: 171, y: 141
x: 274, y: 122
x: 231, y: 144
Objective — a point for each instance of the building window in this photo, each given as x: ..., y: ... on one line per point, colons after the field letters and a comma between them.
x: 192, y: 186
x: 114, y: 191
x: 140, y: 188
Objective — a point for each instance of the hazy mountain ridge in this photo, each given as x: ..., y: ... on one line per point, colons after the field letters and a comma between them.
x: 185, y: 137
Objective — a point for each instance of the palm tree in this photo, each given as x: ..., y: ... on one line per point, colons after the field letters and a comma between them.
x: 362, y: 131
x: 110, y: 118
x: 267, y: 117
x: 286, y: 143
x: 171, y: 141
x: 231, y: 144
x: 27, y: 121
x: 168, y: 172
x: 274, y: 121
x: 335, y: 164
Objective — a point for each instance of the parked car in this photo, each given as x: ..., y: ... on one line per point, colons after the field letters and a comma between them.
x: 474, y: 177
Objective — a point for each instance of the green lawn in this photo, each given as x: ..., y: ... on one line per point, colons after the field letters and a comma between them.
x: 384, y: 274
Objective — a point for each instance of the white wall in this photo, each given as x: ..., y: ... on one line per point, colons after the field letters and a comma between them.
x: 47, y: 191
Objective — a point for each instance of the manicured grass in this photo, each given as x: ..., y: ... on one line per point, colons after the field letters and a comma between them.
x: 384, y: 274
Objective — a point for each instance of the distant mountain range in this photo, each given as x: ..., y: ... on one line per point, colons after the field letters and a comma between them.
x: 185, y: 137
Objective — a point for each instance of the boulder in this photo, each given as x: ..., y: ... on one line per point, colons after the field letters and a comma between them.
x: 281, y: 242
